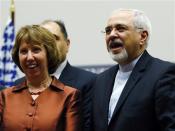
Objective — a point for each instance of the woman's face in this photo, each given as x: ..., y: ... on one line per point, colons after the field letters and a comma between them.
x: 33, y: 60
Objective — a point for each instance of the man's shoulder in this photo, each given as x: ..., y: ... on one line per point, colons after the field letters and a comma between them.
x: 82, y: 72
x: 151, y: 61
x: 77, y: 77
x: 162, y: 64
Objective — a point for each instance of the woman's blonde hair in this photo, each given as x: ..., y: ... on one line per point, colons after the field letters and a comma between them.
x: 37, y: 35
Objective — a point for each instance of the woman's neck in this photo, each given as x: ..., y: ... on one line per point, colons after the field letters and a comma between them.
x: 36, y: 83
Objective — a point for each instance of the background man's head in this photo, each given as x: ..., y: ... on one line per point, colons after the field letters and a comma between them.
x: 58, y: 29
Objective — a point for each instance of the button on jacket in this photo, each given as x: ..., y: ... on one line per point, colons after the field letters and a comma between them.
x: 56, y: 109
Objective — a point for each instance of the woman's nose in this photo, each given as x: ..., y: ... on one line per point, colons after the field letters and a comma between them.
x: 30, y: 55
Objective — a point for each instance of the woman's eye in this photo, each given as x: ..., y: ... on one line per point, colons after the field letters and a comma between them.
x: 23, y: 51
x: 36, y: 50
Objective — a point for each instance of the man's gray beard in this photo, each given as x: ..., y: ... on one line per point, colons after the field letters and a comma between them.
x: 120, y: 57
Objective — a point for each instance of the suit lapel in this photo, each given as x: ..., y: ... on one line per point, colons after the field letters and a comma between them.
x: 135, y: 76
x: 106, y: 86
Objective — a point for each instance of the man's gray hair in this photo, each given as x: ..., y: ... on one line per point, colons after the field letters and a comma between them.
x: 140, y: 21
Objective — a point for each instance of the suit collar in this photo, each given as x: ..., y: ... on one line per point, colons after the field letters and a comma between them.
x: 135, y: 76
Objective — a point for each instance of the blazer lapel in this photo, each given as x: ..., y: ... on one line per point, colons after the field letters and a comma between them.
x: 108, y: 89
x: 135, y: 76
x: 105, y: 91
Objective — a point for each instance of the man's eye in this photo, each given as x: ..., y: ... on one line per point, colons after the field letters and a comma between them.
x: 108, y: 30
x: 121, y: 28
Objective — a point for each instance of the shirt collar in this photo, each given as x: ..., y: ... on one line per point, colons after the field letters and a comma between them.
x: 60, y: 68
x: 130, y: 66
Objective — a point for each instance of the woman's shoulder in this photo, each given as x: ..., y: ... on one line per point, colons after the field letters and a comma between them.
x: 7, y: 90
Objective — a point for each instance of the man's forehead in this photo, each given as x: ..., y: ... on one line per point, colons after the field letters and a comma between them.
x: 121, y: 14
x: 120, y: 17
x: 52, y: 27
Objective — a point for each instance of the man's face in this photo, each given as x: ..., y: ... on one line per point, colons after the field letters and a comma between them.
x: 122, y: 39
x: 62, y: 42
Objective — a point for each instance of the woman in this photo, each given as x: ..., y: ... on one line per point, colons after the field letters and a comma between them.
x: 41, y: 103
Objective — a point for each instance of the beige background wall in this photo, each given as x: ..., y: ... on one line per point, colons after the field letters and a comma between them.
x: 86, y: 18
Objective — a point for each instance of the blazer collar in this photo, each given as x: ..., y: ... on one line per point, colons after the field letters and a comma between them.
x: 54, y: 84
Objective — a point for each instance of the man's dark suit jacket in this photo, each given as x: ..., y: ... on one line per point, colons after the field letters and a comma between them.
x: 83, y: 81
x: 147, y: 102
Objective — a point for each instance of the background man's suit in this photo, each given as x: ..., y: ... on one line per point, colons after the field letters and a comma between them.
x: 83, y: 81
x: 150, y: 86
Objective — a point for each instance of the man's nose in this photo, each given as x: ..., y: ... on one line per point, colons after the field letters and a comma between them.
x: 114, y: 32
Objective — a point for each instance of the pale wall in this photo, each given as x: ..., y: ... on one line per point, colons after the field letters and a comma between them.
x: 86, y: 18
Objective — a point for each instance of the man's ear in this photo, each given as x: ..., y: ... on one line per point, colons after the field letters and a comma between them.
x: 144, y: 36
x: 68, y: 42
